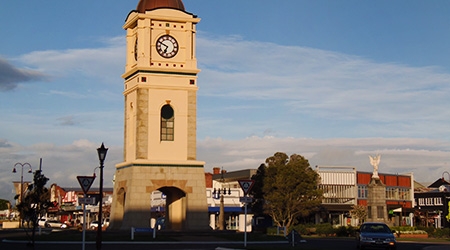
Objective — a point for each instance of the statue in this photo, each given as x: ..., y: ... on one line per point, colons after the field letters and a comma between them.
x: 374, y: 161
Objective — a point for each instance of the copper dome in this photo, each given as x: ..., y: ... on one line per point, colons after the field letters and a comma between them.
x: 144, y: 5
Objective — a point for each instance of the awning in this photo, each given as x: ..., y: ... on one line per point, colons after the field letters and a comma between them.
x: 228, y: 209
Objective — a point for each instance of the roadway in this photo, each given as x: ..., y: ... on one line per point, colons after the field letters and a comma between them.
x: 207, y: 244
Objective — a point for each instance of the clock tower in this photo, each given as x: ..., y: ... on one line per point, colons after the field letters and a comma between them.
x: 160, y: 91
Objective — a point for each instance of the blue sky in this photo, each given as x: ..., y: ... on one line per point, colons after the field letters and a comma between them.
x: 334, y: 81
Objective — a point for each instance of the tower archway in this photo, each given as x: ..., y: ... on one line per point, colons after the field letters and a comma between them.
x: 175, y: 209
x: 118, y: 213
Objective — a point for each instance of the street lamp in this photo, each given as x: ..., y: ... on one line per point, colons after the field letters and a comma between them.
x: 21, y: 180
x: 21, y: 176
x: 101, y: 156
x: 221, y: 192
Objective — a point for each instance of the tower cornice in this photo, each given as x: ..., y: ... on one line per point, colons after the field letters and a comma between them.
x: 180, y: 72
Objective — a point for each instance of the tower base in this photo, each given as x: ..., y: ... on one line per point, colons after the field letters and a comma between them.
x: 184, y: 189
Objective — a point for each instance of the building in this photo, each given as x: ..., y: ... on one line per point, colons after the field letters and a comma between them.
x: 432, y: 204
x: 67, y: 209
x: 345, y: 187
x: 226, y: 184
x: 340, y: 194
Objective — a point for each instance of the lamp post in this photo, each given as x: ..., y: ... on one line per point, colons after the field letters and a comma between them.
x: 21, y: 180
x: 101, y: 156
x: 21, y: 175
x: 221, y: 192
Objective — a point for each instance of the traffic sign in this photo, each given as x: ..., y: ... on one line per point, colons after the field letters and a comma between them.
x: 246, y: 185
x: 246, y: 199
x: 85, y: 182
x: 87, y: 200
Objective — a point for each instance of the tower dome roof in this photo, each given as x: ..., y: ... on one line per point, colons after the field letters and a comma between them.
x: 144, y: 5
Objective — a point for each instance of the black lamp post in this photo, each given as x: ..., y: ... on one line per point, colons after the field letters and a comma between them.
x: 221, y: 193
x: 21, y: 175
x: 101, y: 156
x: 21, y: 180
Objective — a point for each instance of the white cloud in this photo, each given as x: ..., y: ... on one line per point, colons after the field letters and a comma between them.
x: 255, y: 99
x: 305, y: 82
x: 400, y: 155
x: 60, y: 163
x: 104, y: 63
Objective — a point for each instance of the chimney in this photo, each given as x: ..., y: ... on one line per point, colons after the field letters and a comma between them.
x: 216, y: 170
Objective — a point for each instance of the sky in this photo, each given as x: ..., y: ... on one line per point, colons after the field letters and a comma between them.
x: 334, y: 81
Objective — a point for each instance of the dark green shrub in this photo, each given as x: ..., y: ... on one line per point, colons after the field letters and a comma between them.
x: 439, y: 233
x: 341, y: 231
x: 351, y: 231
x: 271, y: 231
x: 303, y: 229
x: 325, y: 229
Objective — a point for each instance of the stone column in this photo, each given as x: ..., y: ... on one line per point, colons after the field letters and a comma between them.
x: 376, y: 201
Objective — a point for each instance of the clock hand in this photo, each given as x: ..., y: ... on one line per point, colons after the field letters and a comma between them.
x: 165, y: 50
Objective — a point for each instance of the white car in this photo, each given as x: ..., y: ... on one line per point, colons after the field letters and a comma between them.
x: 55, y: 224
x: 94, y: 224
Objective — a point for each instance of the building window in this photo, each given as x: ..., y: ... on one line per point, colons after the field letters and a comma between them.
x: 380, y: 212
x: 338, y: 193
x: 392, y: 193
x: 167, y: 123
x: 362, y: 192
x: 404, y: 194
x: 369, y: 212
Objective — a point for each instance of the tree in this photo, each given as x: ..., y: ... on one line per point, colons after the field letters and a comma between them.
x: 35, y: 202
x: 290, y: 188
x: 257, y: 206
x: 4, y: 204
x: 359, y: 212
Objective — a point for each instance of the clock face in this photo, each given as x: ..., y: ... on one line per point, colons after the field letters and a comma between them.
x: 167, y: 46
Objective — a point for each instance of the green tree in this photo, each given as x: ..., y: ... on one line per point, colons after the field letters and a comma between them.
x: 290, y: 188
x: 257, y: 206
x: 4, y: 204
x: 35, y: 202
x: 359, y: 212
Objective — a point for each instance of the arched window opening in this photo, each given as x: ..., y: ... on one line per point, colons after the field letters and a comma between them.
x: 167, y: 123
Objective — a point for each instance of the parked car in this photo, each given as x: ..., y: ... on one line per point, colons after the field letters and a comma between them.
x: 55, y: 224
x: 375, y: 235
x: 94, y: 224
x: 106, y: 222
x: 41, y: 222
